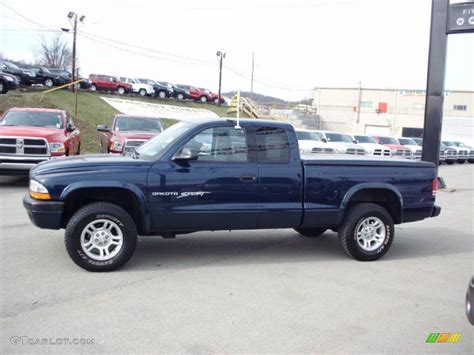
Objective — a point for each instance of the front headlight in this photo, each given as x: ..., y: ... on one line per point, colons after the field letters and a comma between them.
x: 57, y: 148
x: 116, y: 146
x: 340, y: 151
x: 38, y: 191
x: 9, y: 78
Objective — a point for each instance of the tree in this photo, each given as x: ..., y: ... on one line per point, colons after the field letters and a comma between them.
x: 54, y: 52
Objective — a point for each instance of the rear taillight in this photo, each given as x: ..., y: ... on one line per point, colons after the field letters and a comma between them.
x: 434, y: 186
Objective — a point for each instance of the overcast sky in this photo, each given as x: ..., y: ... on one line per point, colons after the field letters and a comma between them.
x: 298, y: 44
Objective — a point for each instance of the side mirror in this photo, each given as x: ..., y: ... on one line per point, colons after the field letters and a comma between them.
x: 70, y: 127
x: 324, y: 140
x: 186, y: 154
x: 103, y: 128
x: 356, y: 141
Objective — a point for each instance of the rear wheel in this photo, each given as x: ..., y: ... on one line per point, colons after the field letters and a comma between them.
x: 93, y: 87
x: 367, y: 232
x: 180, y: 96
x: 162, y: 95
x: 48, y: 82
x: 142, y: 92
x: 100, y: 237
x: 203, y: 99
x: 311, y: 232
x: 3, y: 87
x: 120, y: 90
x: 216, y: 101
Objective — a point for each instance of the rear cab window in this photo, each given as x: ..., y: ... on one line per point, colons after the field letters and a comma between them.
x: 273, y: 145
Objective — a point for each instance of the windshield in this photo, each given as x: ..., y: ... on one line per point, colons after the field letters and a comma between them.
x: 388, y: 140
x: 130, y: 123
x: 154, y: 148
x: 407, y: 141
x: 147, y: 81
x: 365, y: 139
x: 337, y: 137
x: 418, y: 141
x: 460, y: 144
x: 449, y: 144
x: 307, y: 136
x: 11, y: 65
x: 45, y: 70
x: 34, y: 119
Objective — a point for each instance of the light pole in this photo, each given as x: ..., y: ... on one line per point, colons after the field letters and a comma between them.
x: 72, y: 16
x: 220, y: 55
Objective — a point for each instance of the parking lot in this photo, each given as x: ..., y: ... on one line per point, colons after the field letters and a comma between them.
x: 259, y: 291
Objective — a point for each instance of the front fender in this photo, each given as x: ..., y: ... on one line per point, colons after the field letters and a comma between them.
x: 112, y: 184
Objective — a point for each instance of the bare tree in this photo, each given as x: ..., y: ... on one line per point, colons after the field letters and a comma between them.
x: 54, y: 52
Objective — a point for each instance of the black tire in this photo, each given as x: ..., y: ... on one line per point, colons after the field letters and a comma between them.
x: 311, y: 232
x: 3, y: 87
x: 216, y: 101
x: 352, y: 222
x: 100, y: 211
x: 450, y: 162
x: 180, y: 96
x: 461, y: 161
x: 120, y: 90
x: 203, y: 99
x: 93, y: 87
x: 470, y: 161
x: 142, y: 92
x: 162, y: 94
x: 48, y: 82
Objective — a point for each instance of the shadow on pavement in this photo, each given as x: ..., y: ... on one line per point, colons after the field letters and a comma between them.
x: 14, y: 181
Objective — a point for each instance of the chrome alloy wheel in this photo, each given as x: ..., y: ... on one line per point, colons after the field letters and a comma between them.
x: 101, y: 239
x: 370, y: 233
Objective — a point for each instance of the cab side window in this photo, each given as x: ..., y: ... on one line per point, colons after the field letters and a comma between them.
x: 220, y: 144
x: 273, y: 145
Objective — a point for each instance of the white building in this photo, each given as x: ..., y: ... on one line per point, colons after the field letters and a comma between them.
x: 392, y: 112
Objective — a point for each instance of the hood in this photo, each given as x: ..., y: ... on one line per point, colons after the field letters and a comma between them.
x: 98, y: 164
x: 51, y: 134
x: 308, y: 144
x: 372, y: 146
x: 343, y: 146
x: 412, y: 147
x: 144, y: 135
x: 396, y: 146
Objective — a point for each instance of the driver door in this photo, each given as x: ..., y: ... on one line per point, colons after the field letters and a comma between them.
x: 216, y: 191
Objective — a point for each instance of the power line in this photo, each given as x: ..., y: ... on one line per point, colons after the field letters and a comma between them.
x: 23, y: 16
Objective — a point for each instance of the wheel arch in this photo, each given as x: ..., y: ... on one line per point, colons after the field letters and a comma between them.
x: 125, y: 195
x: 385, y: 195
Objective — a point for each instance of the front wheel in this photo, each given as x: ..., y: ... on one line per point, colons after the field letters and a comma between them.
x: 142, y: 92
x: 180, y: 96
x: 93, y: 87
x: 367, y: 232
x: 100, y: 237
x: 311, y: 232
x: 3, y: 87
x: 162, y: 95
x: 203, y: 99
x: 120, y: 90
x: 48, y: 82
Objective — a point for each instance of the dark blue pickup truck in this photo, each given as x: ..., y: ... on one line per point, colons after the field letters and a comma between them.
x: 212, y: 175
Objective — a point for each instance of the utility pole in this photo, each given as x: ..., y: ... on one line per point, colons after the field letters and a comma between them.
x: 220, y: 55
x: 251, y: 80
x: 359, y: 102
x: 73, y: 87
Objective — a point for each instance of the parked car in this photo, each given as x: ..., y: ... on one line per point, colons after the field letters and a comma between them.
x: 25, y: 76
x: 311, y: 142
x: 342, y: 143
x: 213, y: 97
x: 138, y: 87
x: 397, y: 150
x: 371, y: 146
x: 442, y: 150
x: 128, y: 132
x: 195, y: 93
x: 67, y: 76
x: 162, y: 91
x: 470, y: 301
x: 29, y: 136
x: 178, y: 93
x: 470, y: 156
x: 8, y: 82
x: 101, y: 82
x: 45, y: 77
x: 173, y: 185
x: 412, y: 145
x: 461, y: 152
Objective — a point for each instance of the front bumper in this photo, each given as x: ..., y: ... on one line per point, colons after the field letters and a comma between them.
x: 44, y: 214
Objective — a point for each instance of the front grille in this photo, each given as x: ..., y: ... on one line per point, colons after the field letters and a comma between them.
x: 353, y: 151
x: 471, y: 153
x: 381, y: 152
x: 134, y: 143
x: 403, y: 153
x: 451, y: 153
x: 322, y: 150
x: 417, y: 154
x: 463, y: 153
x: 22, y: 146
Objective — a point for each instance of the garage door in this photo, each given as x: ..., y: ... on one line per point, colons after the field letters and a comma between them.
x: 377, y: 130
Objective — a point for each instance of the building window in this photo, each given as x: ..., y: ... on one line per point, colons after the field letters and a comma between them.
x: 418, y: 106
x: 367, y: 104
x: 460, y: 107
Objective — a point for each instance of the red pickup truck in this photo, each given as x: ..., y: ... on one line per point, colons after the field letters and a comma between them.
x: 128, y: 132
x: 29, y: 136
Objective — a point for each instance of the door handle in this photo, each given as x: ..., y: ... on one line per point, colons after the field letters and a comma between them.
x: 248, y: 178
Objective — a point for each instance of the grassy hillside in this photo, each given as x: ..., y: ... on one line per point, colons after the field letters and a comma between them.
x: 92, y: 110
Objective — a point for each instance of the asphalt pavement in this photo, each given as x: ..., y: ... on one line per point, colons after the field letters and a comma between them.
x: 267, y: 291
